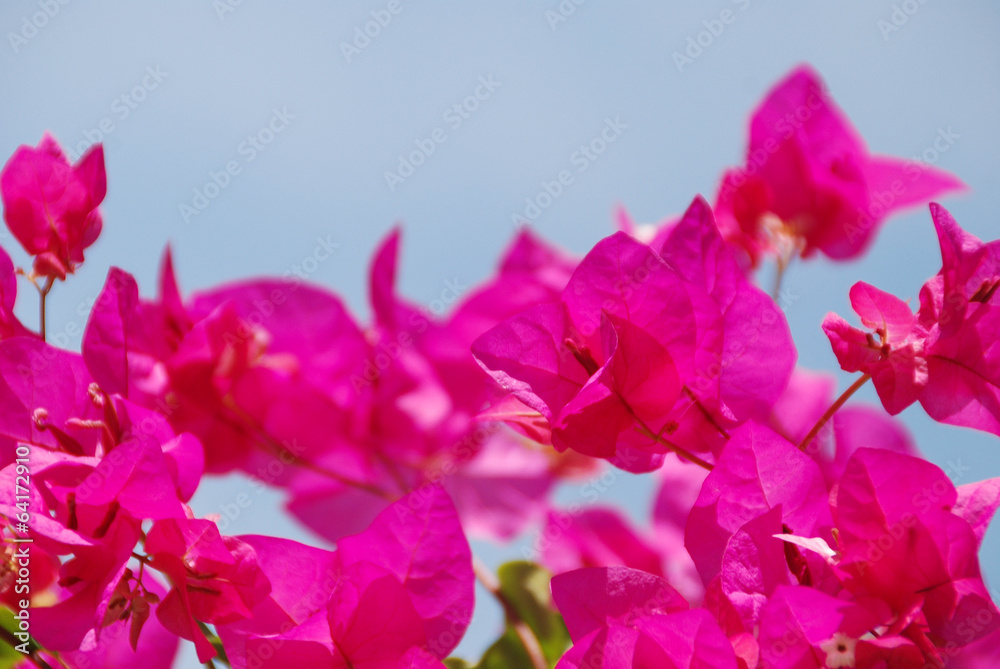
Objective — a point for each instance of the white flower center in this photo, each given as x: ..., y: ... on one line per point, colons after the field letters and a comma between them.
x: 839, y: 651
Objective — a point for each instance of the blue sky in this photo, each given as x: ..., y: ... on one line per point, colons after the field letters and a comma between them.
x: 296, y: 121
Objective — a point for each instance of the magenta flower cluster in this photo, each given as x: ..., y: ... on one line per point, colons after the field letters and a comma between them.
x: 792, y: 529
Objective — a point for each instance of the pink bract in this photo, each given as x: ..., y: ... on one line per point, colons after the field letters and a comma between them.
x: 810, y: 182
x: 51, y: 206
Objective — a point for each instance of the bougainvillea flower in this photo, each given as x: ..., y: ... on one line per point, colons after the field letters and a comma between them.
x: 530, y: 272
x: 42, y: 389
x: 210, y: 365
x: 896, y: 360
x: 903, y: 543
x: 552, y: 363
x: 215, y: 579
x: 946, y: 355
x: 620, y: 617
x: 419, y: 540
x: 754, y: 355
x: 51, y: 205
x: 757, y: 472
x: 809, y: 183
x: 302, y: 579
x: 404, y: 584
x: 88, y: 581
x: 116, y: 646
x: 960, y: 312
x: 639, y: 347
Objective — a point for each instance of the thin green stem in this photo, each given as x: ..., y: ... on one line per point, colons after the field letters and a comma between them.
x: 43, y: 293
x: 834, y: 408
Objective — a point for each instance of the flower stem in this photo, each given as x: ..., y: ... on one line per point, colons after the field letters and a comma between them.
x: 705, y: 412
x: 680, y: 451
x: 524, y: 633
x: 834, y: 408
x: 43, y: 292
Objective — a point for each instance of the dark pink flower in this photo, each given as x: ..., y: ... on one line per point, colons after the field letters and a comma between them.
x: 809, y: 183
x: 892, y: 353
x: 399, y: 594
x: 960, y: 312
x: 758, y: 472
x: 903, y: 543
x: 51, y: 206
x: 646, y: 350
x: 215, y: 579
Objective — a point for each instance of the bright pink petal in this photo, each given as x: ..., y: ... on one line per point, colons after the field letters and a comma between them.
x: 10, y: 326
x: 596, y: 538
x: 687, y: 639
x: 525, y: 355
x: 503, y: 488
x: 419, y: 540
x: 757, y: 472
x: 798, y: 625
x: 805, y: 399
x: 882, y: 312
x: 624, y: 278
x: 850, y: 345
x: 963, y: 375
x: 372, y: 618
x: 34, y: 375
x: 591, y: 599
x: 520, y: 417
x: 908, y: 183
x: 756, y: 353
x: 106, y: 339
x: 977, y: 503
x: 51, y: 206
x: 754, y: 565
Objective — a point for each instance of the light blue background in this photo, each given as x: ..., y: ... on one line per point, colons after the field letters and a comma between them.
x: 323, y: 175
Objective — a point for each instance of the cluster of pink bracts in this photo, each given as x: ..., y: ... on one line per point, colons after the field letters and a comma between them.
x: 788, y: 533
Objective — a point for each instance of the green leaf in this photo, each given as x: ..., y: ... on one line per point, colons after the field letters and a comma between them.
x: 525, y: 586
x: 457, y: 663
x: 507, y: 652
x: 8, y: 655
